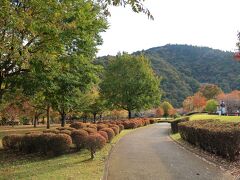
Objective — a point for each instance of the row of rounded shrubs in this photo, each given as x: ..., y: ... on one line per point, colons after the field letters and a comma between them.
x: 220, y: 138
x: 78, y: 136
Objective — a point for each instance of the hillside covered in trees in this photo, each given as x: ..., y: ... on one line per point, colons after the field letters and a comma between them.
x: 184, y: 68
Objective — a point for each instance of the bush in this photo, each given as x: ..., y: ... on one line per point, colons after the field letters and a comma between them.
x: 66, y: 132
x: 65, y: 128
x: 115, y: 128
x: 94, y: 143
x: 78, y: 125
x: 104, y: 134
x: 60, y: 143
x: 46, y: 143
x: 101, y: 126
x: 109, y: 132
x: 90, y: 130
x: 153, y: 121
x: 121, y: 127
x: 12, y: 142
x: 174, y: 124
x: 54, y: 131
x: 213, y: 136
x: 93, y: 126
x: 79, y: 138
x: 129, y: 125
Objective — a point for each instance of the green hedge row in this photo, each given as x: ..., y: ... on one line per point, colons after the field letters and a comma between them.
x: 213, y: 136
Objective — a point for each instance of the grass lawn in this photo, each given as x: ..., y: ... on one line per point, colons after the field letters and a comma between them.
x: 69, y: 166
x: 223, y: 118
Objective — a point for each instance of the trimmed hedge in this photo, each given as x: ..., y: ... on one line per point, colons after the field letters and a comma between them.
x: 174, y: 124
x: 12, y: 142
x: 45, y: 143
x: 213, y: 136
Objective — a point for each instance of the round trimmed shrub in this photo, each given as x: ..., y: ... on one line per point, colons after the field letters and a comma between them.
x: 79, y: 138
x: 94, y: 143
x: 12, y: 142
x: 90, y: 130
x: 101, y: 126
x: 115, y: 128
x: 109, y: 132
x: 60, y: 143
x: 78, y: 125
x: 65, y: 128
x: 104, y: 134
x: 93, y: 126
x: 68, y: 132
x: 121, y: 127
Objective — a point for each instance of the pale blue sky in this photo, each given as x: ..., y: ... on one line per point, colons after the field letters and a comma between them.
x: 212, y: 23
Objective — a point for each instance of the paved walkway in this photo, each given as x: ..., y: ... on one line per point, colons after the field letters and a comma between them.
x: 148, y: 153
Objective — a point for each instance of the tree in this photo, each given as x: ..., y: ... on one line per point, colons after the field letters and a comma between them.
x: 188, y: 104
x: 210, y: 91
x: 199, y: 102
x: 129, y: 83
x: 167, y: 107
x: 136, y: 5
x: 211, y: 106
x: 33, y: 30
x: 97, y: 104
x: 231, y: 100
x: 159, y: 112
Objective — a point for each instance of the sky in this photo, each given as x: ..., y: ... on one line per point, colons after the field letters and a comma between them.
x: 211, y: 23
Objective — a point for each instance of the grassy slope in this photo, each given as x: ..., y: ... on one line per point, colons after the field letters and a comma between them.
x: 69, y: 166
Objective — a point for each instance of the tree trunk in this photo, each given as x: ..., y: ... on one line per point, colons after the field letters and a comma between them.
x: 129, y: 114
x: 48, y: 117
x: 35, y: 121
x: 94, y: 117
x: 63, y: 119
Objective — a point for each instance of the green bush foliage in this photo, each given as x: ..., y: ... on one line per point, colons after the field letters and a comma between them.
x: 211, y: 106
x: 213, y: 136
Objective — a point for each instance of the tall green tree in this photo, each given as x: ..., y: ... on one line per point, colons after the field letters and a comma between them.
x: 167, y: 107
x: 75, y: 79
x: 31, y: 30
x: 129, y: 83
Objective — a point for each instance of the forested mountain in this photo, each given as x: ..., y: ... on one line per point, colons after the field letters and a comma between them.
x: 183, y: 68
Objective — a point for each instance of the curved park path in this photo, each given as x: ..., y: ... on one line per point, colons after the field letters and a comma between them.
x: 148, y: 153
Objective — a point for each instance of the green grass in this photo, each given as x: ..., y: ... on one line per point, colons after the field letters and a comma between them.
x: 222, y: 118
x: 176, y: 137
x: 69, y: 166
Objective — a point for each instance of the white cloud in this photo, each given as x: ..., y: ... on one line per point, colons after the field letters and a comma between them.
x: 209, y: 23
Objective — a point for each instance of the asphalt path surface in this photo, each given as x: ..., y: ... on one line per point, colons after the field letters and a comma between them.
x: 149, y: 153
